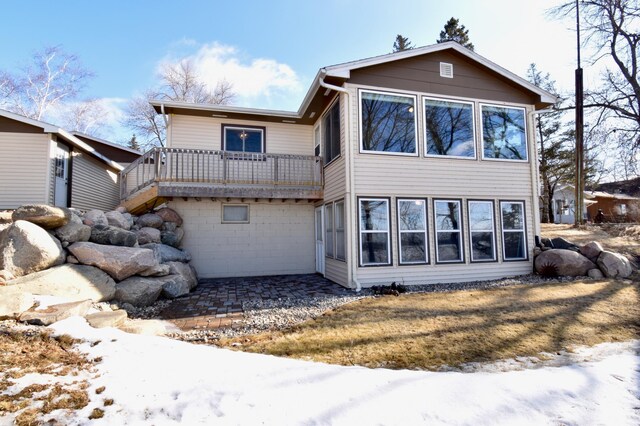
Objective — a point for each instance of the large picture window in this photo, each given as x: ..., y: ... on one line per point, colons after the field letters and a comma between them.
x: 449, y: 128
x: 328, y: 230
x: 374, y: 232
x: 412, y: 230
x: 338, y: 210
x: 448, y: 231
x: 388, y: 123
x: 504, y: 134
x: 514, y: 243
x: 331, y: 133
x: 243, y: 139
x: 482, y: 231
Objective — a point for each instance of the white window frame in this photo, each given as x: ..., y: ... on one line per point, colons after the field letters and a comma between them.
x: 329, y: 232
x: 317, y: 139
x: 234, y: 127
x: 523, y: 231
x: 415, y: 123
x: 526, y: 132
x: 235, y: 221
x: 473, y: 119
x: 327, y: 111
x: 493, y: 230
x: 459, y: 230
x: 335, y: 230
x: 361, y: 231
x: 424, y: 231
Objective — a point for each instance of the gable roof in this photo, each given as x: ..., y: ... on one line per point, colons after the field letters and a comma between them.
x: 65, y: 135
x: 115, y: 152
x: 338, y: 74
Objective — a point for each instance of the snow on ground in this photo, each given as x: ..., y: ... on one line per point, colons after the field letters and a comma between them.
x: 160, y: 381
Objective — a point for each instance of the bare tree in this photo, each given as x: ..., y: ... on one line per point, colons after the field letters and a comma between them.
x: 53, y: 76
x: 145, y: 121
x: 7, y: 88
x: 87, y: 117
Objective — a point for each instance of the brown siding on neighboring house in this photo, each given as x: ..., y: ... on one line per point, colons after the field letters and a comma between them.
x: 94, y: 185
x: 422, y: 74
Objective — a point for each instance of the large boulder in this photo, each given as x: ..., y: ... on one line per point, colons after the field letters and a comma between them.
x: 165, y: 253
x: 55, y: 313
x: 591, y: 250
x: 73, y: 231
x: 565, y: 262
x: 561, y: 243
x: 174, y: 286
x: 26, y: 248
x: 107, y: 318
x: 47, y: 217
x: 118, y: 220
x: 151, y: 220
x: 110, y: 235
x: 169, y: 238
x: 95, y: 217
x: 148, y: 235
x: 614, y: 265
x: 186, y: 271
x: 119, y: 262
x: 12, y: 307
x: 139, y: 291
x: 73, y: 282
x: 169, y: 215
x: 129, y: 218
x: 159, y: 270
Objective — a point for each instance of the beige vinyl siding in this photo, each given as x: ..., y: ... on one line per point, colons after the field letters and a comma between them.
x: 94, y: 185
x: 191, y: 132
x: 24, y: 164
x: 336, y: 271
x: 279, y: 238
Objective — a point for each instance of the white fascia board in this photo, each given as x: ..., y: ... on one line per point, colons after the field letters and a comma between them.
x: 225, y: 108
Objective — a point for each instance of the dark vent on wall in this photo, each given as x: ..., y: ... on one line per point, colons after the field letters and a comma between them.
x: 446, y: 70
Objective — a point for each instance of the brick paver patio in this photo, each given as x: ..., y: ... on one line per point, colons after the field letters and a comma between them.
x: 218, y: 302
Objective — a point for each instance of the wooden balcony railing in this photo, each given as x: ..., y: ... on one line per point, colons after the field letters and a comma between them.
x: 176, y: 168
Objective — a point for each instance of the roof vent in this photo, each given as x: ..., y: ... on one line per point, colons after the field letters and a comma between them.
x: 446, y: 70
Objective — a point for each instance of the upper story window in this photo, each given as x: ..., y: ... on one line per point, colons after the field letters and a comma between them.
x: 331, y: 133
x: 504, y: 133
x: 388, y: 123
x: 449, y: 128
x: 243, y: 138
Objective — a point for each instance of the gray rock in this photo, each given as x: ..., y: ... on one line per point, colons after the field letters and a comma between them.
x: 139, y: 291
x: 110, y: 235
x: 121, y: 209
x: 148, y: 235
x: 174, y: 286
x: 47, y: 217
x: 107, y: 318
x: 118, y: 220
x: 55, y: 313
x: 26, y: 248
x: 614, y: 265
x: 73, y: 231
x: 149, y: 327
x: 165, y: 253
x: 72, y: 259
x: 561, y: 243
x: 169, y: 226
x: 119, y: 262
x: 186, y: 271
x: 159, y: 270
x: 151, y: 220
x: 12, y: 307
x: 74, y: 282
x: 95, y: 217
x: 595, y: 274
x: 169, y: 215
x: 129, y: 219
x: 591, y: 250
x: 169, y: 238
x: 567, y: 262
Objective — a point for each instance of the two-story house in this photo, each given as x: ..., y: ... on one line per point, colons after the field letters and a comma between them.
x: 417, y: 167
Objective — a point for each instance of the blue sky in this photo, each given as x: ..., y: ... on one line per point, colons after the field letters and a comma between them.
x: 270, y: 50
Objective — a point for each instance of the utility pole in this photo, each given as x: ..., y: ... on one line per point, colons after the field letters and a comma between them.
x: 579, y: 196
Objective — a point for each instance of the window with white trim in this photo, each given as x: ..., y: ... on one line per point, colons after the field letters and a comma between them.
x: 331, y: 133
x: 514, y: 242
x: 412, y: 230
x: 387, y: 123
x: 449, y: 128
x: 316, y: 140
x: 504, y: 133
x: 448, y: 231
x: 235, y: 213
x: 243, y: 139
x: 482, y: 231
x: 338, y: 210
x: 328, y: 230
x: 375, y: 247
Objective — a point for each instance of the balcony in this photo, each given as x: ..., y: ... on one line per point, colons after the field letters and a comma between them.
x: 164, y: 173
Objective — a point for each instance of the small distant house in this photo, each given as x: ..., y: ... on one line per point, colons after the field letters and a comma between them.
x: 564, y: 203
x: 43, y: 164
x: 615, y: 207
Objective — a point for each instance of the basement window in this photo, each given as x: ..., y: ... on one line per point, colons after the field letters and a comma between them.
x: 235, y: 213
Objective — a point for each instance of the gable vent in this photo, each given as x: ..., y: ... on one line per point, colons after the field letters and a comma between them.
x: 446, y: 70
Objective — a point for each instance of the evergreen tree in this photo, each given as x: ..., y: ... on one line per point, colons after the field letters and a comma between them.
x: 401, y: 43
x: 133, y: 143
x: 453, y: 31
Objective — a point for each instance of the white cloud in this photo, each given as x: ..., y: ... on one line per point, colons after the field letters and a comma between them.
x: 257, y: 82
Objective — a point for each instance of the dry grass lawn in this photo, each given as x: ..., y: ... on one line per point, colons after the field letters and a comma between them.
x: 427, y: 331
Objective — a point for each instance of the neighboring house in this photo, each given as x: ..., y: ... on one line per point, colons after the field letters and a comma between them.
x: 630, y: 187
x: 43, y: 164
x: 615, y: 207
x: 564, y: 201
x: 416, y: 167
x: 118, y: 153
